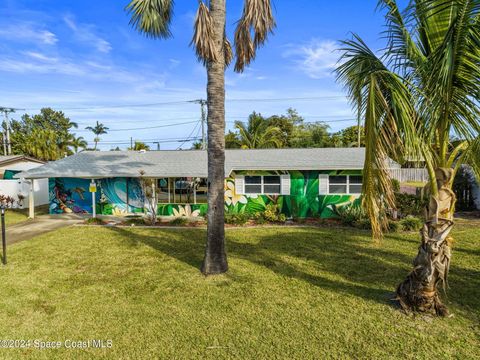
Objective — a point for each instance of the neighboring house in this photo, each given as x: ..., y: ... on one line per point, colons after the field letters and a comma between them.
x: 18, y: 189
x: 302, y: 182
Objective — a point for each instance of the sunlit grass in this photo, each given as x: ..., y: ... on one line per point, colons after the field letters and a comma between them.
x: 290, y: 293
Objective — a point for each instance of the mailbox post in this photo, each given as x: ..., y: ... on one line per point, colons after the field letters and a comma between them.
x: 93, y: 190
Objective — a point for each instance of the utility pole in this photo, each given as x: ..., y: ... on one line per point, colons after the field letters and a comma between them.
x: 203, y: 104
x: 158, y: 145
x: 7, y: 146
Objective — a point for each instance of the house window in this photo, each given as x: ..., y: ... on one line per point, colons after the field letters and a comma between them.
x: 337, y: 185
x: 270, y: 185
x: 340, y: 184
x: 355, y: 184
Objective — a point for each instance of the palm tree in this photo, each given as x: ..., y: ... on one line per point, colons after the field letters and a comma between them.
x: 213, y: 49
x: 78, y: 143
x: 258, y: 133
x: 139, y: 145
x: 421, y: 91
x: 97, y: 130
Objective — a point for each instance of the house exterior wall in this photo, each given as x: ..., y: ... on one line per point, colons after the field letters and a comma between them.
x: 304, y: 200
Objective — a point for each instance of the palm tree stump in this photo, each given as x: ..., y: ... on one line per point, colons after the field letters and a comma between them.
x: 420, y: 290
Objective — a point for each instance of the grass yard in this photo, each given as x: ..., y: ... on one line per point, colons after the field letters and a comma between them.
x: 295, y: 293
x: 16, y: 216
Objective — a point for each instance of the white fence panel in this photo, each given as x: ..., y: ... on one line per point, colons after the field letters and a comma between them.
x: 404, y: 175
x: 15, y: 187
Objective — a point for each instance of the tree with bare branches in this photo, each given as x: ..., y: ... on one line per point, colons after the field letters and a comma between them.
x: 214, y: 50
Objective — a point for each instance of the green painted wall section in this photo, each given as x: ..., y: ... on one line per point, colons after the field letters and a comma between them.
x: 304, y: 200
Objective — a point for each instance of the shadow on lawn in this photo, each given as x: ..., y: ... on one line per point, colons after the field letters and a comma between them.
x: 315, y: 256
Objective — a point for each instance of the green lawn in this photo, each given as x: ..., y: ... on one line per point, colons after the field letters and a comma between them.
x: 295, y: 293
x: 13, y: 217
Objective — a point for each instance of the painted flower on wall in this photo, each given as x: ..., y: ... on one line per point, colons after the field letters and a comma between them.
x: 185, y: 211
x: 116, y: 211
x: 231, y: 196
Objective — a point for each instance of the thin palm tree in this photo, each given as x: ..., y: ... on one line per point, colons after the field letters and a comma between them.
x: 78, y: 143
x: 213, y: 49
x: 258, y: 133
x: 97, y: 130
x: 423, y: 90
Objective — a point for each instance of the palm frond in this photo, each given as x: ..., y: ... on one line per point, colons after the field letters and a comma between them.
x: 257, y: 17
x: 244, y: 48
x: 227, y: 49
x: 203, y: 38
x: 388, y: 109
x: 151, y: 17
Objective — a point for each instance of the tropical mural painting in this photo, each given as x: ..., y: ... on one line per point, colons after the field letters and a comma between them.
x: 122, y: 196
x: 70, y: 195
x: 304, y: 200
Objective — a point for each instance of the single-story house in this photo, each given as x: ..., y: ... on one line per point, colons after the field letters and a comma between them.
x: 18, y: 189
x: 302, y: 182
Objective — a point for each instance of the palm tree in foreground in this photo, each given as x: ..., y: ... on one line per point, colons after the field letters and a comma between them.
x: 213, y: 49
x: 97, y: 130
x: 420, y: 94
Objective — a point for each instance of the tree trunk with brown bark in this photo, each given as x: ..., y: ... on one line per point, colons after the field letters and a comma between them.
x: 420, y: 290
x: 215, y: 261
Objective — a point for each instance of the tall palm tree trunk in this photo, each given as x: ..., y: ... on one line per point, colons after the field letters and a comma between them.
x: 215, y: 260
x: 420, y: 290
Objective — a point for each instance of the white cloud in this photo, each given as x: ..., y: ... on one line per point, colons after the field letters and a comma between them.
x: 317, y: 58
x: 28, y: 32
x: 85, y: 33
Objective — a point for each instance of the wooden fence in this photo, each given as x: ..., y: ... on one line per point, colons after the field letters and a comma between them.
x: 413, y: 174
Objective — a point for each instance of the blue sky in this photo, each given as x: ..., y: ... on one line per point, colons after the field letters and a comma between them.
x: 82, y: 57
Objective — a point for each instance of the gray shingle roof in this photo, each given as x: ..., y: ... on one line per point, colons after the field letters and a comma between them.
x: 186, y: 163
x: 8, y: 159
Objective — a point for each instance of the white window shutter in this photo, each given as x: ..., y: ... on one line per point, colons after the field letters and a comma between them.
x: 323, y: 184
x: 285, y: 184
x: 240, y: 184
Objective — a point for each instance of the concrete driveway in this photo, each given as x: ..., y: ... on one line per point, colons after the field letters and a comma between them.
x: 40, y: 225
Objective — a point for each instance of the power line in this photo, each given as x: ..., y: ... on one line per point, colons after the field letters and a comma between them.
x: 195, y: 127
x: 157, y: 104
x: 145, y: 128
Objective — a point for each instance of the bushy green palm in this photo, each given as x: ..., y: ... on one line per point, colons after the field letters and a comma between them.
x: 258, y: 133
x: 418, y: 94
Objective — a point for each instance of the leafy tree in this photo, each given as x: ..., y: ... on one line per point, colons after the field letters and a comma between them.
x: 424, y: 88
x: 348, y: 137
x: 97, y: 130
x: 46, y: 135
x: 258, y: 133
x: 213, y: 49
x: 231, y: 140
x: 139, y: 145
x: 311, y: 135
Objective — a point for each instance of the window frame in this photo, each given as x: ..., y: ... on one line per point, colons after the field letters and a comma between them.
x: 262, y: 185
x: 347, y: 185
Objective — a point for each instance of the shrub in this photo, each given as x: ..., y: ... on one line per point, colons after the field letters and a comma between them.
x: 394, y: 226
x: 273, y: 213
x: 94, y: 221
x: 411, y: 223
x: 408, y: 204
x: 135, y: 221
x: 179, y: 221
x: 395, y: 185
x: 259, y: 218
x: 351, y: 214
x: 236, y: 219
